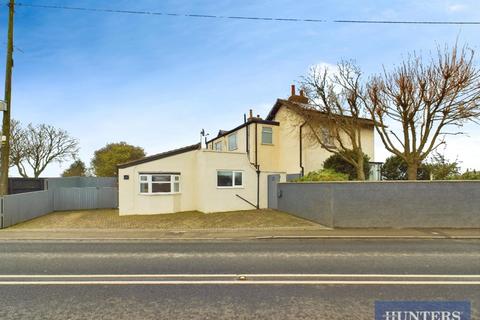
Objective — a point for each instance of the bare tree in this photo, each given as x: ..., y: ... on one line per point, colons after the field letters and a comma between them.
x: 18, y: 147
x: 35, y: 147
x: 426, y: 99
x: 336, y: 113
x: 46, y: 144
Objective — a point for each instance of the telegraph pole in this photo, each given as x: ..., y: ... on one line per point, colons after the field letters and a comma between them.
x: 5, y: 139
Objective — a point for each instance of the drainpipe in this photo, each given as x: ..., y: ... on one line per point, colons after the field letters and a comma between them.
x: 302, y: 173
x: 257, y: 166
x: 248, y: 138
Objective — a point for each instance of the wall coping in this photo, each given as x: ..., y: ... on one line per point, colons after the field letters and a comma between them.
x: 387, y: 182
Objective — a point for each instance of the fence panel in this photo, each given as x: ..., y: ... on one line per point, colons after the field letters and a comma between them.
x: 21, y: 207
x: 85, y: 198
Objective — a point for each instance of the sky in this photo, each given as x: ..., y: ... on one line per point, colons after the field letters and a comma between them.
x: 156, y: 81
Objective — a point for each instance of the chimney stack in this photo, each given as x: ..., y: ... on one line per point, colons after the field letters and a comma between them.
x: 251, y: 117
x: 300, y: 98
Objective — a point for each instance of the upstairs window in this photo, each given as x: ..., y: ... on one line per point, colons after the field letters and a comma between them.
x: 218, y: 146
x: 229, y: 179
x: 160, y: 183
x: 327, y: 137
x: 232, y: 142
x: 267, y: 135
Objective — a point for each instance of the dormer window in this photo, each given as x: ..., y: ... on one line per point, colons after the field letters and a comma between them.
x: 232, y: 142
x: 218, y: 146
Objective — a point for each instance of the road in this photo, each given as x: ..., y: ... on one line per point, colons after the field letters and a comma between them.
x: 269, y: 279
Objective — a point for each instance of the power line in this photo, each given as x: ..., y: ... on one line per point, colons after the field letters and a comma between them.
x: 207, y: 16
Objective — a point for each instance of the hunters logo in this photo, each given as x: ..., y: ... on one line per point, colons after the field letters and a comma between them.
x: 422, y: 310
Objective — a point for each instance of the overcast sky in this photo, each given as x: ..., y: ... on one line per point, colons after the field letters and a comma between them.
x: 156, y: 81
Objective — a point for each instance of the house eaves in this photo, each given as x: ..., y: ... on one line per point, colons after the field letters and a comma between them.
x: 158, y: 156
x: 289, y: 104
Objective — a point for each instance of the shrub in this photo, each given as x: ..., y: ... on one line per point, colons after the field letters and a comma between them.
x: 395, y: 168
x: 338, y: 164
x: 324, y: 175
x: 470, y: 175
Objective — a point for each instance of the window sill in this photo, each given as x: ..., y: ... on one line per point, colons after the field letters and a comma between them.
x: 160, y: 194
x: 236, y: 187
x: 267, y: 144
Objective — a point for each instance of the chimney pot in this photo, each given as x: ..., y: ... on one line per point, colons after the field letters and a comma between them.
x: 293, y: 89
x: 302, y: 93
x: 250, y: 114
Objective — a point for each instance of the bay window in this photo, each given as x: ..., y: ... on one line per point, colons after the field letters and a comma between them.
x: 159, y: 183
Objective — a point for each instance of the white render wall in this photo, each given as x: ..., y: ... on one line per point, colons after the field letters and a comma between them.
x: 198, y: 184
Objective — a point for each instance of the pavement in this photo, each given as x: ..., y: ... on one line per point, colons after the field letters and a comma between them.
x: 257, y: 279
x: 318, y: 232
x: 241, y: 225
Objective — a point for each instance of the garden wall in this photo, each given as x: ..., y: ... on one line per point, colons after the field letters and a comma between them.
x: 385, y: 204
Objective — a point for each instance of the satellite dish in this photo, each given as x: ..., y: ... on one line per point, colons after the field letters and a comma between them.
x: 3, y: 105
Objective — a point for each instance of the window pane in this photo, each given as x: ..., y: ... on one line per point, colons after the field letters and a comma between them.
x: 267, y: 136
x: 224, y: 178
x: 232, y: 142
x: 238, y: 178
x: 177, y: 178
x: 176, y: 187
x: 218, y: 146
x: 143, y: 187
x: 143, y: 178
x: 161, y: 178
x: 160, y: 187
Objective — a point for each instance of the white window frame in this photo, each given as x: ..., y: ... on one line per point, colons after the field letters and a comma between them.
x: 233, y: 186
x: 218, y: 143
x: 174, y: 179
x: 236, y: 142
x: 271, y: 135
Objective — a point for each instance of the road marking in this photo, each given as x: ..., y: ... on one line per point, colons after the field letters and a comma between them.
x: 239, y: 279
x: 237, y: 282
x: 224, y: 275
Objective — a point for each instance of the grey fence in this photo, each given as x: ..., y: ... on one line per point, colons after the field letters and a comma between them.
x: 393, y: 204
x: 62, y: 194
x: 21, y: 207
x: 84, y: 198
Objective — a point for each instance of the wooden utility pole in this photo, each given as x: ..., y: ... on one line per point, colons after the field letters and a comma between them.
x: 5, y: 143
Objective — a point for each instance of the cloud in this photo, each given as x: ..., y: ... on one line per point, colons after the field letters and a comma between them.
x: 456, y: 7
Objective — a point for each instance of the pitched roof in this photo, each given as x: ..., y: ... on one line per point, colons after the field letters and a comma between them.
x: 291, y: 104
x: 158, y: 156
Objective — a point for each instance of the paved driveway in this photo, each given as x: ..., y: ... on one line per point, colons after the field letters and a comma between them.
x: 109, y: 219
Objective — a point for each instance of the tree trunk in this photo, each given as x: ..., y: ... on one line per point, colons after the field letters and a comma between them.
x: 412, y: 171
x: 360, y: 172
x: 359, y: 167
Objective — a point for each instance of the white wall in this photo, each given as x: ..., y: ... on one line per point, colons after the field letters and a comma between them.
x: 198, y: 185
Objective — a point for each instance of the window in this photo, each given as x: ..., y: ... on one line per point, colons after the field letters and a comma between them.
x: 218, y: 146
x: 327, y: 137
x: 267, y: 135
x: 232, y: 142
x: 159, y: 183
x: 229, y: 179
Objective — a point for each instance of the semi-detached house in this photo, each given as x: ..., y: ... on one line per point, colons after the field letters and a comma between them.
x: 229, y: 172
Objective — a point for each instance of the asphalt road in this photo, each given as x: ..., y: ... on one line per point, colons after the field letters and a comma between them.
x: 271, y: 279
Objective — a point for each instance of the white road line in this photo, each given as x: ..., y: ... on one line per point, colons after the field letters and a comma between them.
x: 223, y: 275
x: 230, y: 282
